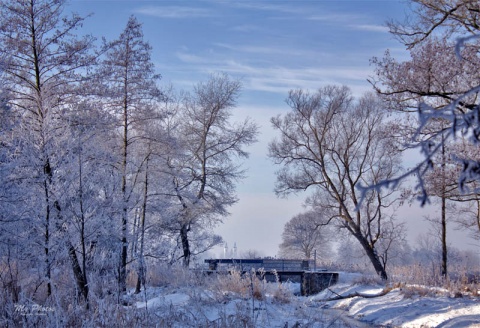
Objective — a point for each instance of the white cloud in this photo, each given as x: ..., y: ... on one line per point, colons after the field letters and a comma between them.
x: 174, y: 12
x: 333, y: 17
x: 269, y: 50
x: 370, y: 28
x: 190, y: 58
x: 279, y: 79
x: 350, y: 21
x: 270, y: 6
x: 249, y: 49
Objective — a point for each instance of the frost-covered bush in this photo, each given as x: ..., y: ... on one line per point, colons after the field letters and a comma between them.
x: 223, y: 285
x: 282, y: 293
x: 163, y: 274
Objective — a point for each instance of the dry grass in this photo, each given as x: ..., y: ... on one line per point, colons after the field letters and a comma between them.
x: 281, y: 294
x: 233, y: 282
x: 369, y: 279
x: 21, y: 286
x: 412, y: 291
x: 460, y: 284
x: 248, y: 285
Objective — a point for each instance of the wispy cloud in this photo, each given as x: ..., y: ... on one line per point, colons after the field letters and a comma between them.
x: 282, y: 7
x: 278, y: 79
x: 174, y: 12
x: 248, y: 49
x: 350, y: 21
x: 191, y: 59
x: 333, y: 17
x: 370, y: 28
x: 270, y: 50
x: 282, y: 79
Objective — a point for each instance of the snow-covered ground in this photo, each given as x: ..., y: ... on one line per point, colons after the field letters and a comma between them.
x: 405, y: 306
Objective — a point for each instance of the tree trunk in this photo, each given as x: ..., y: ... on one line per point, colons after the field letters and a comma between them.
x: 184, y: 229
x: 185, y: 245
x: 140, y: 277
x: 444, y: 238
x: 373, y: 256
x: 80, y: 277
x: 122, y: 274
x: 444, y: 212
x: 477, y: 219
x: 48, y: 274
x: 141, y: 265
x: 80, y: 272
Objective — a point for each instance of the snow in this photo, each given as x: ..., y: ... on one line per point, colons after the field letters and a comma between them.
x: 401, y: 307
x: 406, y: 306
x: 172, y: 300
x: 396, y: 310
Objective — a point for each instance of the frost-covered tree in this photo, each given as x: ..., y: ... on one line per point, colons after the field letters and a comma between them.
x: 463, y: 206
x: 131, y: 94
x: 205, y: 173
x: 439, y: 75
x: 153, y: 182
x: 440, y: 82
x: 86, y: 188
x: 158, y: 149
x: 44, y: 66
x: 431, y: 17
x: 331, y: 144
x: 306, y: 234
x: 434, y: 74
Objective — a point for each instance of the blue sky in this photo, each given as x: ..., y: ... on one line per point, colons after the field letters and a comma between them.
x: 272, y: 46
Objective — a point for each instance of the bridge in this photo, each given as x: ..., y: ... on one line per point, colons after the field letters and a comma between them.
x: 297, y: 271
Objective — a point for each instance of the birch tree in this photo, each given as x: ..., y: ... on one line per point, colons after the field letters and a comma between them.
x: 331, y: 145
